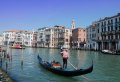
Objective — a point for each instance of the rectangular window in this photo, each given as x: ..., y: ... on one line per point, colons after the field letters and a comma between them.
x: 98, y: 30
x: 119, y: 19
x: 111, y: 37
x: 115, y: 20
x: 102, y: 29
x: 111, y: 28
x: 108, y: 28
x: 116, y: 36
x: 66, y: 40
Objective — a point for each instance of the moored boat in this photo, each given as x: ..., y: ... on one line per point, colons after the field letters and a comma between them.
x: 110, y: 52
x: 64, y: 72
x: 17, y: 46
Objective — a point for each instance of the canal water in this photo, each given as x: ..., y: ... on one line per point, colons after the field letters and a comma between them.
x: 24, y: 66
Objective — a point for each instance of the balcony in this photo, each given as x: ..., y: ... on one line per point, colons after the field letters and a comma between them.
x: 109, y: 32
x: 103, y: 33
x: 117, y: 24
x: 118, y: 31
x: 113, y: 32
x: 106, y: 33
x: 110, y: 24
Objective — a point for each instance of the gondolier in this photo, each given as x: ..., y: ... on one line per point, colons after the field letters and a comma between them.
x: 65, y: 56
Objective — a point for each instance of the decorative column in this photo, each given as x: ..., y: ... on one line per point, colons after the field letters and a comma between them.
x: 119, y: 45
x: 116, y: 46
x: 78, y: 44
x: 97, y: 45
x: 109, y: 46
x: 102, y: 45
x: 73, y: 44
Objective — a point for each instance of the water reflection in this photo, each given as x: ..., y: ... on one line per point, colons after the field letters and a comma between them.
x: 22, y: 59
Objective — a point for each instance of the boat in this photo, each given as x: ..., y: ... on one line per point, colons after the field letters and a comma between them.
x: 106, y: 51
x: 17, y: 46
x: 64, y: 72
x: 110, y: 52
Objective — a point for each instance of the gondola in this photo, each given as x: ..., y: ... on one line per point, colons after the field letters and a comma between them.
x: 64, y: 72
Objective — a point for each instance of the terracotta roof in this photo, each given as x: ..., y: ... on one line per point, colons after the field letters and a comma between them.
x: 24, y: 31
x: 12, y: 31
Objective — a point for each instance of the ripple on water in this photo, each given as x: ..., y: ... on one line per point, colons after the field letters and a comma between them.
x: 106, y: 67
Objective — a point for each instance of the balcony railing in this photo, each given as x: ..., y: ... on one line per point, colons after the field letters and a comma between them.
x: 110, y: 32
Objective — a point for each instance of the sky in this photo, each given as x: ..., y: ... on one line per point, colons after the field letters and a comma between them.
x: 34, y: 14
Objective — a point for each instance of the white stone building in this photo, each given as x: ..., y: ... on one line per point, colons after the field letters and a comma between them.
x: 1, y: 40
x: 49, y: 36
x: 54, y: 37
x: 107, y: 33
x: 91, y: 37
x: 17, y: 36
x: 41, y: 39
x: 67, y: 35
x: 27, y: 38
x: 9, y: 37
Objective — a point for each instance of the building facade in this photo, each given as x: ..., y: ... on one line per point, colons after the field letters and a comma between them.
x: 28, y: 38
x: 108, y: 33
x: 78, y: 38
x: 1, y: 40
x: 58, y: 36
x: 9, y: 37
x: 54, y: 37
x: 91, y: 37
x: 41, y: 40
x: 17, y: 37
x: 62, y: 36
x: 34, y: 42
x: 49, y: 38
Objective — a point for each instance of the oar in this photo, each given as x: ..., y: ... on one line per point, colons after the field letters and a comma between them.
x: 72, y: 65
x: 53, y: 57
x: 76, y: 69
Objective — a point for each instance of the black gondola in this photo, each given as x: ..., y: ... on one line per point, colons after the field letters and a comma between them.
x: 63, y: 72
